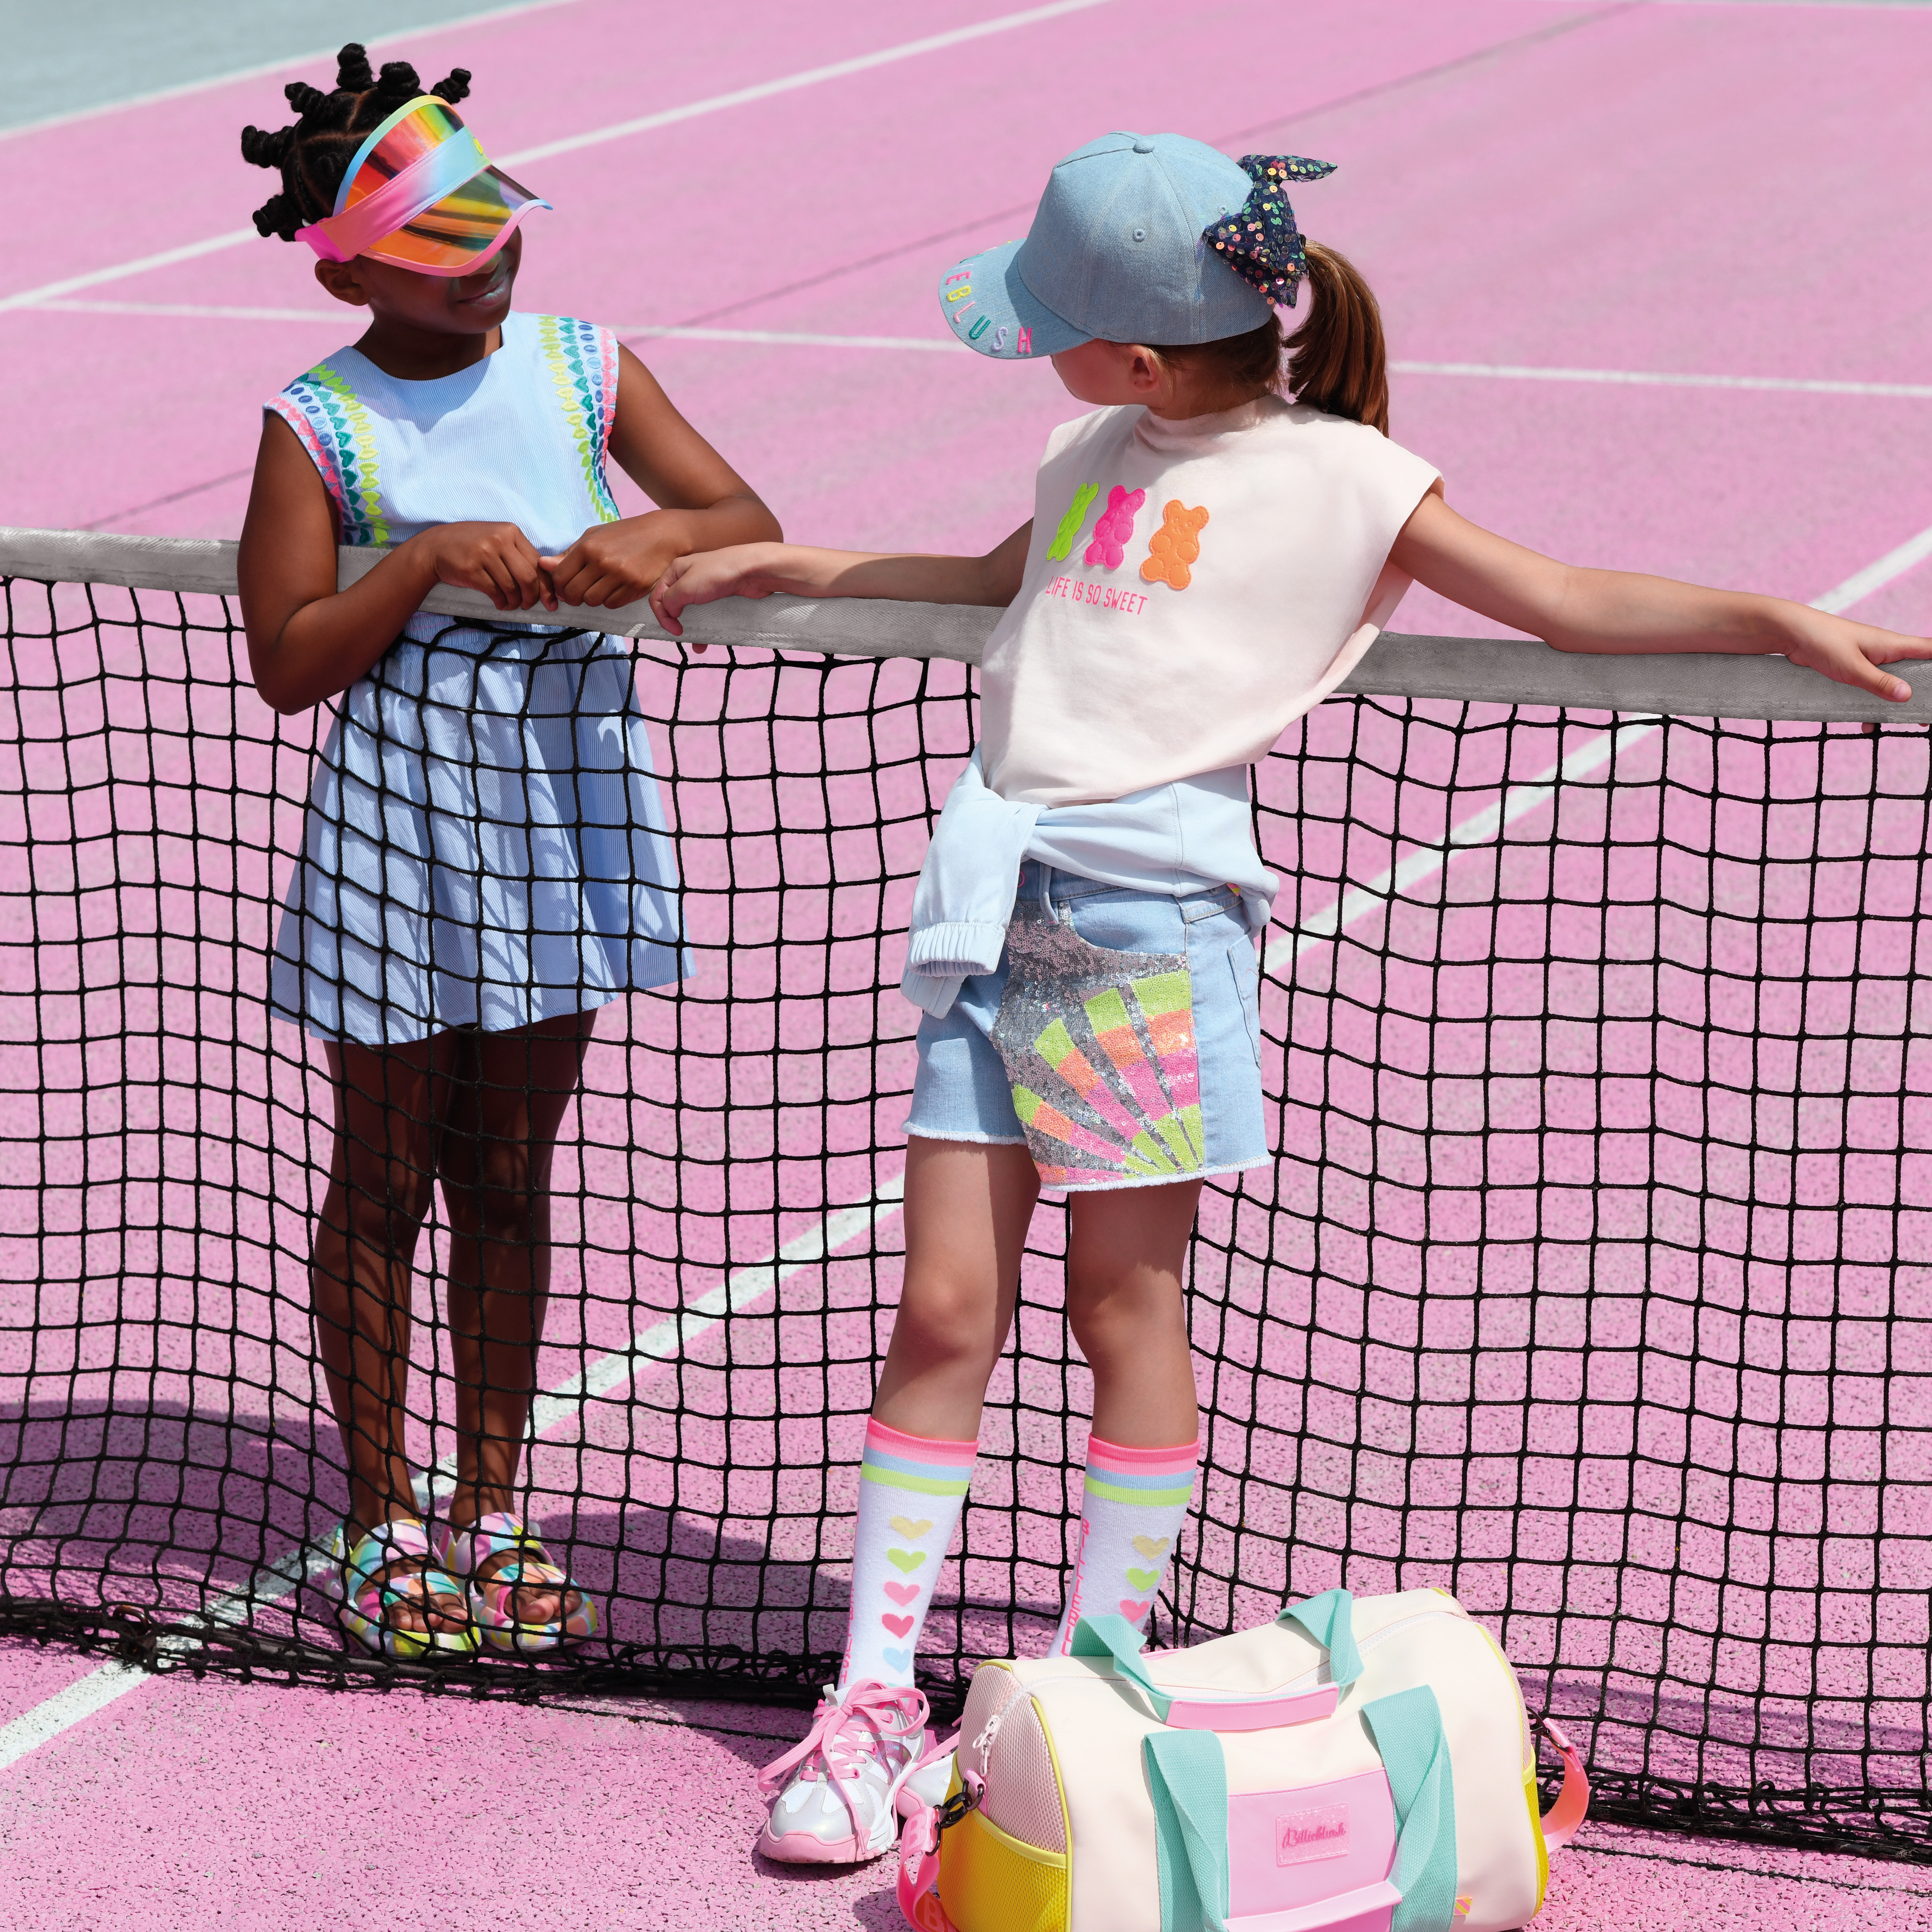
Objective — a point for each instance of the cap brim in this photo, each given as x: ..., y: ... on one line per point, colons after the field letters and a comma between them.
x: 460, y: 234
x: 991, y: 309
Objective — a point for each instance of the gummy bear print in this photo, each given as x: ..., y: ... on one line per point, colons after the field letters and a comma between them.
x: 1174, y: 546
x: 1066, y: 536
x: 1115, y: 529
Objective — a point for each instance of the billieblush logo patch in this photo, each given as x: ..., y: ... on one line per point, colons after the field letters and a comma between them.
x: 1321, y: 1831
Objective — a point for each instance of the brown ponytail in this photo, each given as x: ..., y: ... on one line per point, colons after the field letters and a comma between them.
x: 1337, y: 360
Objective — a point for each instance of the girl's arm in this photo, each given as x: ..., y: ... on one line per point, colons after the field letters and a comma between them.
x: 703, y: 503
x: 1615, y: 610
x: 306, y: 640
x: 756, y: 570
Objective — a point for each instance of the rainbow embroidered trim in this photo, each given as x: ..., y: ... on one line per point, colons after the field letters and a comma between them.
x: 334, y: 427
x: 583, y: 363
x: 1099, y: 1048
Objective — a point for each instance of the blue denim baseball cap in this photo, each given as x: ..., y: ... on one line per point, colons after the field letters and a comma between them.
x: 1115, y: 252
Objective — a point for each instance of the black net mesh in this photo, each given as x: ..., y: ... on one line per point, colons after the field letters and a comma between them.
x: 1593, y: 1281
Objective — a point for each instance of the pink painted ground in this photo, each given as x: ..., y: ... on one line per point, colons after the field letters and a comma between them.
x: 253, y: 1810
x: 1709, y: 190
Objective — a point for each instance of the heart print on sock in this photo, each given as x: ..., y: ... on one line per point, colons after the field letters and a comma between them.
x: 1134, y: 1612
x: 898, y: 1626
x: 907, y: 1560
x: 903, y: 1594
x: 1151, y: 1546
x: 905, y: 1526
x: 1143, y: 1579
x: 899, y: 1659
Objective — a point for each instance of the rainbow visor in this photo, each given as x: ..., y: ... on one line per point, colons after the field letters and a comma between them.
x: 421, y: 193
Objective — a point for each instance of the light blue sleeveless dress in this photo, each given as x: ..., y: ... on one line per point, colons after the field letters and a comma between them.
x: 485, y: 845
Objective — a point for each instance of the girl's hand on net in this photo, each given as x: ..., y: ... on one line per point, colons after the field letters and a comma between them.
x: 496, y: 559
x: 705, y: 576
x: 1855, y: 654
x: 614, y: 563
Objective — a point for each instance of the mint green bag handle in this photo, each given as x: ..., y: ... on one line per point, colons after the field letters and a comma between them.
x: 1330, y: 1619
x: 1187, y: 1777
x: 1114, y: 1637
x: 1407, y: 1728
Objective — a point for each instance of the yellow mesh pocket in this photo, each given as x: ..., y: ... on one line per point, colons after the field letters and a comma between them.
x: 989, y: 1882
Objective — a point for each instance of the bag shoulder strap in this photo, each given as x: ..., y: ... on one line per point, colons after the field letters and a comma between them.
x: 1187, y: 1779
x: 1407, y: 1728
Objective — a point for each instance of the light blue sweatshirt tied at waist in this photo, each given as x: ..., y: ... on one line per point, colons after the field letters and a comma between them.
x: 1179, y: 838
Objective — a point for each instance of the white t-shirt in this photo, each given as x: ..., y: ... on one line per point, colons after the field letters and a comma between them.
x: 1191, y: 589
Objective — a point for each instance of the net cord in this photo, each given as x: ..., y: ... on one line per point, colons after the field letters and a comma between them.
x: 1502, y: 670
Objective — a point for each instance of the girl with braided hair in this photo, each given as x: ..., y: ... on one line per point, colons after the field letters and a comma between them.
x: 484, y: 860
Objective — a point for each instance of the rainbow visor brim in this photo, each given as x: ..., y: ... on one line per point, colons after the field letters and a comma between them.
x: 421, y: 195
x: 459, y: 234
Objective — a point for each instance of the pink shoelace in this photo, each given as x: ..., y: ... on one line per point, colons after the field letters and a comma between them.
x: 845, y: 1733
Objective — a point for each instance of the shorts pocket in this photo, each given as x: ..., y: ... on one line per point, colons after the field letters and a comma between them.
x: 1123, y: 922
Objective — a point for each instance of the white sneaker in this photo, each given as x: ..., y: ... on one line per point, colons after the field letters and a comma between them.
x: 928, y: 1784
x: 839, y: 1804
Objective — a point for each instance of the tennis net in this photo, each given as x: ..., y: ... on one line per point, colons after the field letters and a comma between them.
x: 1592, y: 1280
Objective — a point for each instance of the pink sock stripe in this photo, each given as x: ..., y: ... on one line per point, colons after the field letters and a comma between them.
x: 918, y: 1448
x: 1158, y: 1461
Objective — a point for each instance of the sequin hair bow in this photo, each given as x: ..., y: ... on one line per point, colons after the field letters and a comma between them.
x: 1261, y: 244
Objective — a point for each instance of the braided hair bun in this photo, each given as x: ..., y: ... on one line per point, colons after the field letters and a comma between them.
x: 314, y: 153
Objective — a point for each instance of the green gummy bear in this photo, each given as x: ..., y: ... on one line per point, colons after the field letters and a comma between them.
x: 1063, y: 538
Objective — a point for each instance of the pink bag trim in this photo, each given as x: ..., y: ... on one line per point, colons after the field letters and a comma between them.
x: 1561, y: 1821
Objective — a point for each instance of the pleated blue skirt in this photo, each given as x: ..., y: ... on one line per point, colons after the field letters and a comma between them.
x: 485, y: 846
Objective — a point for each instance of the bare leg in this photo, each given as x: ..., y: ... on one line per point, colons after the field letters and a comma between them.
x: 1126, y: 1250
x: 966, y: 1209
x: 362, y: 1264
x: 501, y: 1102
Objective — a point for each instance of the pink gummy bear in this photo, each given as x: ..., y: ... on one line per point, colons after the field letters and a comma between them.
x: 1115, y: 528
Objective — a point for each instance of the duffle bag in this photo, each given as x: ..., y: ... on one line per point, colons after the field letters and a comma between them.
x: 1359, y: 1764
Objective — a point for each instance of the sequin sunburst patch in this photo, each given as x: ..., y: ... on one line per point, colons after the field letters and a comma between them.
x: 1099, y: 1048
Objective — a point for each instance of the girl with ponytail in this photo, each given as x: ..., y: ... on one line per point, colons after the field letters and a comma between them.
x: 484, y: 861
x: 1207, y: 559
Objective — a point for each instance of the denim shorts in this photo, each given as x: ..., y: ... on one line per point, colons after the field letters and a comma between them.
x: 964, y: 1089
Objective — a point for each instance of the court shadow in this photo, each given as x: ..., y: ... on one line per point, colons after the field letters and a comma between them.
x: 160, y: 1506
x: 156, y: 1504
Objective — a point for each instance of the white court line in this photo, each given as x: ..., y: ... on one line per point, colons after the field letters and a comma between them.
x: 947, y: 344
x: 836, y: 70
x: 676, y: 1333
x: 326, y: 56
x: 65, y: 1709
x: 1284, y: 947
x: 1521, y: 372
x: 1288, y: 945
x: 1876, y: 576
x: 617, y: 130
x: 101, y: 1686
x: 211, y: 311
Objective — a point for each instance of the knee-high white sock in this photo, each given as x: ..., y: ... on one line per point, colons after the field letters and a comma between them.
x: 1132, y: 1506
x: 911, y: 1490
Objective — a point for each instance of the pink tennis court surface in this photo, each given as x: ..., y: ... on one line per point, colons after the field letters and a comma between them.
x: 1554, y: 203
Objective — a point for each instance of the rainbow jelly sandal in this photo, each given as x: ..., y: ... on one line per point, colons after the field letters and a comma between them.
x: 464, y: 1552
x: 365, y: 1602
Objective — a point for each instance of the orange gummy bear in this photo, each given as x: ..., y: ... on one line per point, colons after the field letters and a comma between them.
x: 1174, y: 546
